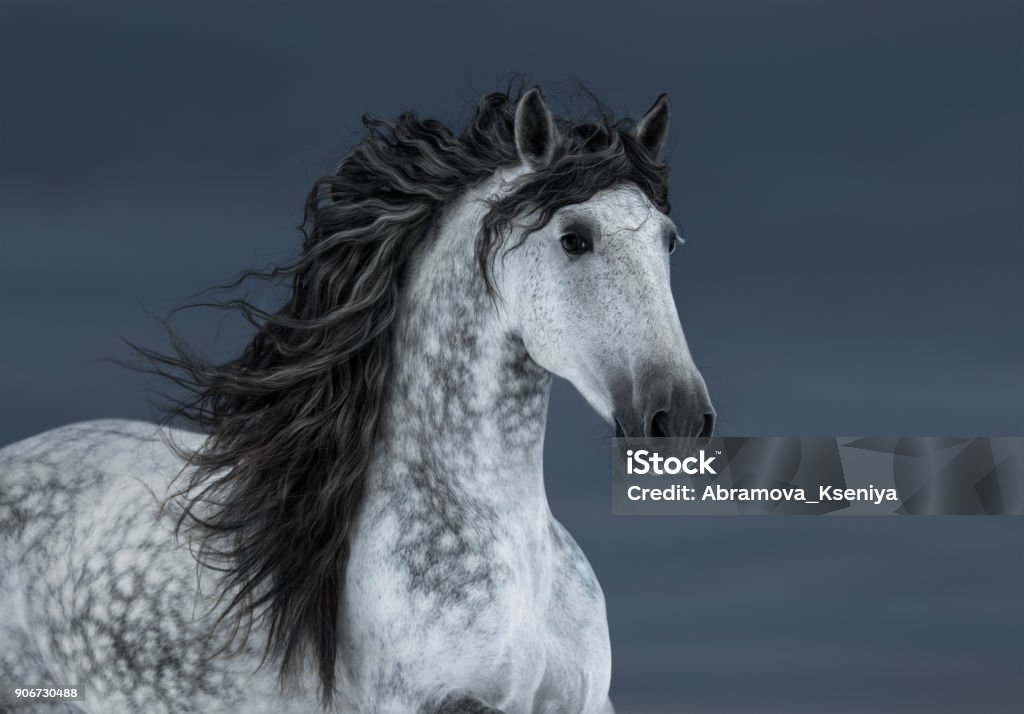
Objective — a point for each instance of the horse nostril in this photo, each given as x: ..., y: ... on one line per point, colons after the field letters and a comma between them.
x: 709, y: 426
x: 659, y: 425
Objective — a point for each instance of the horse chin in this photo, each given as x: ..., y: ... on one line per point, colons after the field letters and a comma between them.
x: 631, y: 437
x: 619, y: 433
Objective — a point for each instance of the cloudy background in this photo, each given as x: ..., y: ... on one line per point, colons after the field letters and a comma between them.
x: 849, y: 179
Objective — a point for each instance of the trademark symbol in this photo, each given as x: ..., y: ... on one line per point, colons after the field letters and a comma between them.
x: 718, y: 452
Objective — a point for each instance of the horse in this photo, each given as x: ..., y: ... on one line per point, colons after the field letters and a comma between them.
x: 356, y: 520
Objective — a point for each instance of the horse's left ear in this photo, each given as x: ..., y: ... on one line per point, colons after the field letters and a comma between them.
x: 652, y: 128
x: 535, y: 130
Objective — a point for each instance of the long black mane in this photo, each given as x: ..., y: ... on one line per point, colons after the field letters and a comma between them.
x: 271, y: 496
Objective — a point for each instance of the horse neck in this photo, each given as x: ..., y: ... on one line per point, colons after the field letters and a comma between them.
x: 467, y: 406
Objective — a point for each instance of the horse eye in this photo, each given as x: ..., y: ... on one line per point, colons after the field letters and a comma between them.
x: 575, y: 244
x: 673, y: 242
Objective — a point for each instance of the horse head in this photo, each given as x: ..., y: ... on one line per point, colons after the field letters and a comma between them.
x: 588, y: 291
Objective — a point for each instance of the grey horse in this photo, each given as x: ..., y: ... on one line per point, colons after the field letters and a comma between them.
x: 361, y: 525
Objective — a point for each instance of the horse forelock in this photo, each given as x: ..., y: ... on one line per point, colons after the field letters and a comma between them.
x: 270, y: 499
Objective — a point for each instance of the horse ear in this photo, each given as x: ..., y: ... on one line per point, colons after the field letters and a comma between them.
x: 653, y: 126
x: 535, y: 130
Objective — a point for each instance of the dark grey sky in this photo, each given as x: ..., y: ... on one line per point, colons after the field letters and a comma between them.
x: 849, y: 176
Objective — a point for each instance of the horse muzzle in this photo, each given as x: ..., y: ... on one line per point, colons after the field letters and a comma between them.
x: 663, y: 409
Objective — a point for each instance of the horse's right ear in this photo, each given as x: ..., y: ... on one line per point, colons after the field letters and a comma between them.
x: 535, y: 130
